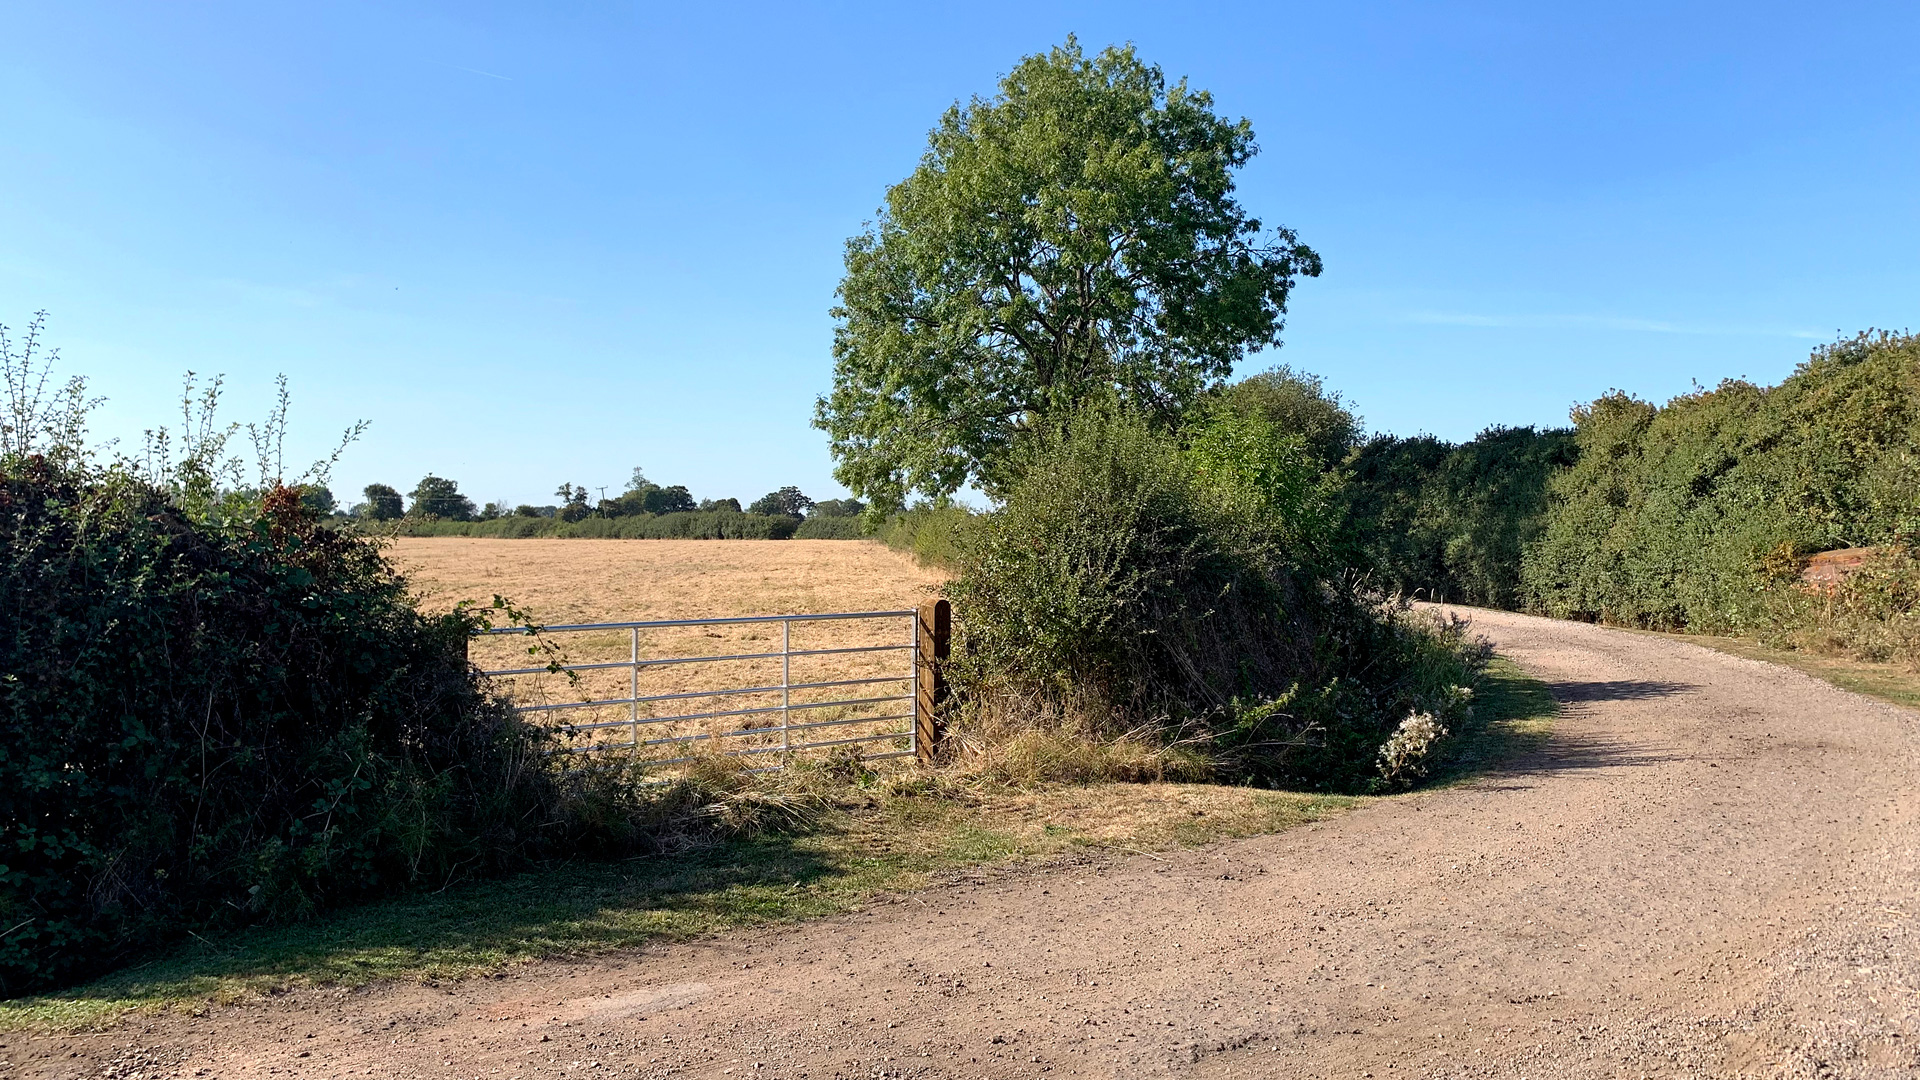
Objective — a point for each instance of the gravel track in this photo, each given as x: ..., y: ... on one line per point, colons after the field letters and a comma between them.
x: 1707, y: 870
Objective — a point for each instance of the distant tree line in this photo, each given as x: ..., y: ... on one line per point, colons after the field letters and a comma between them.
x: 437, y: 499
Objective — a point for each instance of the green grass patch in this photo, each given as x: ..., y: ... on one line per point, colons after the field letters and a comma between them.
x: 1512, y: 713
x: 873, y: 844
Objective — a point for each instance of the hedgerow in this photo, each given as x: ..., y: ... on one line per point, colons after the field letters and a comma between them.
x: 1697, y: 515
x: 817, y: 527
x: 930, y: 533
x: 208, y: 724
x: 1136, y: 580
x: 687, y: 525
x: 1449, y: 521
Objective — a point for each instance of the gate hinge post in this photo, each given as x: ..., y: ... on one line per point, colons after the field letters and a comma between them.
x: 933, y: 629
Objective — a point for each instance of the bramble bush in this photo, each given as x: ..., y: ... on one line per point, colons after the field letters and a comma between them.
x: 210, y: 724
x: 218, y: 709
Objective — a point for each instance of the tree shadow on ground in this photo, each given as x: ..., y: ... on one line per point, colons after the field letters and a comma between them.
x: 1581, y: 753
x: 1511, y: 715
x: 1510, y: 736
x: 1513, y: 751
x: 1616, y: 690
x: 572, y: 908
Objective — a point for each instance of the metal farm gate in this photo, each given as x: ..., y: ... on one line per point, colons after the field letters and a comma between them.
x: 784, y: 684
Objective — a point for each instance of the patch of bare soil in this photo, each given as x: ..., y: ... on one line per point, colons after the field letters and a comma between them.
x: 1707, y: 870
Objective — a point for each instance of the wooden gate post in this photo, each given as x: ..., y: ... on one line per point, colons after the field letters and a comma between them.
x: 934, y: 630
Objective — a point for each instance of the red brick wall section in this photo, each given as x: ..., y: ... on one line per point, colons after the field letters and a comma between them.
x: 1829, y: 568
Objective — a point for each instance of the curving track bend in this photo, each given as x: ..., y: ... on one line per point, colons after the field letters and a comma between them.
x: 1708, y: 870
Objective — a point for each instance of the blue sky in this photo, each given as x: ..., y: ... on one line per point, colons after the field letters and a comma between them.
x: 536, y: 243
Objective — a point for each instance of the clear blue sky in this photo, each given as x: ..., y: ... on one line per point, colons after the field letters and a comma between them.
x: 536, y: 243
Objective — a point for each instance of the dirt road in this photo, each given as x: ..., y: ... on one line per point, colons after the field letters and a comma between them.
x: 1708, y: 871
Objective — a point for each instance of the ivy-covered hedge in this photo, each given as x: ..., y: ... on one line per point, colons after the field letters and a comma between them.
x: 208, y: 724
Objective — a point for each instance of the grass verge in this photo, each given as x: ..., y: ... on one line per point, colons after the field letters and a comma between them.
x: 871, y: 844
x: 1512, y: 713
x: 1891, y: 683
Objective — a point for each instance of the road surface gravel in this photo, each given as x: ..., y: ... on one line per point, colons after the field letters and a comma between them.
x: 1707, y: 870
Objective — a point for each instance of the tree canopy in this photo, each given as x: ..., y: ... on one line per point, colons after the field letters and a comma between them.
x: 788, y: 501
x: 1074, y: 237
x: 438, y: 497
x: 383, y: 503
x: 1297, y: 403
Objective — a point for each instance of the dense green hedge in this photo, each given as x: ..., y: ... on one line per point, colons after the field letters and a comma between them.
x: 1188, y: 584
x: 1695, y: 514
x: 818, y: 527
x: 690, y: 525
x: 213, y: 723
x: 931, y: 534
x: 1449, y: 522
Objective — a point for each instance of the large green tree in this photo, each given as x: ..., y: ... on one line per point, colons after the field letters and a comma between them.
x: 438, y: 497
x: 383, y: 503
x: 1074, y: 237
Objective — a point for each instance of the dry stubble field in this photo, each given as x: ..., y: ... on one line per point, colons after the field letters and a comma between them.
x: 559, y: 582
x: 569, y: 581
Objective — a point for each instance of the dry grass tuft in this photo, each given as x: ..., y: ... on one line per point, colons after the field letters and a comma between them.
x: 707, y: 800
x: 1028, y: 739
x: 1056, y: 756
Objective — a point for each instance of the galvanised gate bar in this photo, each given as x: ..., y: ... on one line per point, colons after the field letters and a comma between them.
x: 866, y: 678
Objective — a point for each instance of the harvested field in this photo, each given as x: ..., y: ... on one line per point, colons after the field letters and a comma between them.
x: 559, y: 582
x: 571, y: 581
